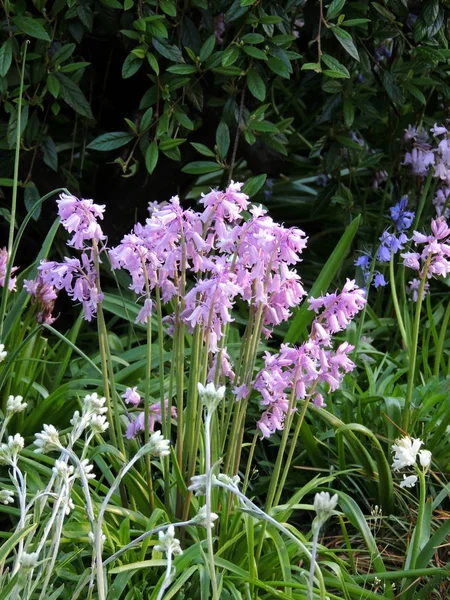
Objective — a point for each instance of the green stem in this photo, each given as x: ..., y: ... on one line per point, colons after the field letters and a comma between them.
x: 441, y: 340
x: 398, y: 313
x: 413, y: 348
x: 208, y: 472
x: 292, y: 447
x: 12, y: 222
x: 420, y: 516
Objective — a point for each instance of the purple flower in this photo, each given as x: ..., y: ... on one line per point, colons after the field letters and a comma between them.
x: 44, y: 296
x: 402, y: 218
x: 379, y: 280
x: 131, y: 396
x: 80, y: 218
x: 3, y: 268
x: 154, y: 417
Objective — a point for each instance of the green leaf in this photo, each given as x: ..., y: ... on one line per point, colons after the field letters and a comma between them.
x: 73, y: 96
x: 153, y: 62
x: 170, y: 52
x: 76, y: 66
x: 264, y: 126
x: 278, y: 67
x: 32, y: 27
x: 13, y: 540
x: 253, y: 38
x: 201, y: 167
x: 336, y: 68
x: 182, y: 69
x: 110, y: 141
x: 414, y: 91
x: 151, y: 157
x: 223, y: 139
x: 50, y: 154
x: 184, y: 120
x: 169, y: 144
x: 53, y: 85
x: 203, y: 149
x: 346, y: 41
x: 168, y: 7
x: 304, y: 316
x: 384, y: 12
x: 31, y: 196
x: 256, y: 85
x: 5, y: 57
x: 131, y: 65
x: 146, y: 119
x: 254, y: 184
x: 158, y: 29
x: 349, y: 113
x: 335, y: 9
x: 255, y: 52
x: 230, y: 56
x: 207, y: 49
x: 312, y: 67
x: 63, y: 54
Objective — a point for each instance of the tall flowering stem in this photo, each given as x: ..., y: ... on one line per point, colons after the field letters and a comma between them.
x: 413, y: 348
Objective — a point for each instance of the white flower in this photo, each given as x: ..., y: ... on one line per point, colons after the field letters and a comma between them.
x: 76, y: 418
x: 406, y: 450
x: 425, y: 458
x: 69, y: 506
x: 209, y: 395
x: 227, y: 480
x: 168, y: 542
x: 324, y: 504
x: 198, y: 485
x: 14, y: 404
x: 408, y: 481
x: 94, y: 404
x: 62, y: 469
x: 158, y: 445
x: 99, y: 424
x: 47, y: 440
x: 16, y: 443
x: 87, y: 468
x: 6, y: 496
x: 9, y: 451
x: 91, y: 538
x: 3, y: 352
x: 202, y: 518
x: 29, y: 561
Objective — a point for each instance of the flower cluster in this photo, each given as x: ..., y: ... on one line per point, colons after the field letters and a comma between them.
x: 78, y: 277
x: 3, y: 269
x: 308, y: 370
x: 431, y: 154
x: 154, y: 416
x: 92, y: 415
x: 10, y: 450
x: 230, y: 258
x: 43, y: 295
x: 406, y: 450
x: 391, y: 242
x: 434, y: 258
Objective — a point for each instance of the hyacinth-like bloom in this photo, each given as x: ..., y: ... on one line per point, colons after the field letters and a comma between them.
x: 231, y: 259
x: 43, y: 295
x: 390, y: 242
x: 80, y: 218
x: 435, y: 251
x: 431, y: 157
x: 77, y: 278
x: 314, y: 366
x: 131, y: 396
x: 405, y: 451
x: 3, y: 267
x: 154, y: 417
